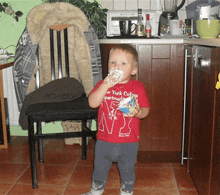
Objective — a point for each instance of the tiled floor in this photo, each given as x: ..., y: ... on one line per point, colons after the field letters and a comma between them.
x: 64, y: 173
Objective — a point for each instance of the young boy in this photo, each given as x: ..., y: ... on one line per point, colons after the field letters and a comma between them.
x: 118, y: 133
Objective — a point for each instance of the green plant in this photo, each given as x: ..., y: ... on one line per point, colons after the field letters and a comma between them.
x: 7, y: 9
x: 94, y: 12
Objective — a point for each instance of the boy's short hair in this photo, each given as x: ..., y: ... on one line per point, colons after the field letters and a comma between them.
x: 128, y: 49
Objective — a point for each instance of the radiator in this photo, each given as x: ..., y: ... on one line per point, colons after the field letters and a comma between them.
x: 9, y: 93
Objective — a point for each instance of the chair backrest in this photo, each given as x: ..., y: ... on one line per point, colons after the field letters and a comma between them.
x: 57, y: 29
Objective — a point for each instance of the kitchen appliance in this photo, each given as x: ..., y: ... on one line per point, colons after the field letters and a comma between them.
x: 198, y: 57
x: 176, y: 27
x: 169, y: 12
x: 204, y: 11
x: 125, y: 27
x: 200, y: 10
x: 114, y: 16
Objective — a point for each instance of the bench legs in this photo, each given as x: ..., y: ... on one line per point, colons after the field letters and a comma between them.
x: 32, y: 153
x: 32, y: 141
x: 40, y: 143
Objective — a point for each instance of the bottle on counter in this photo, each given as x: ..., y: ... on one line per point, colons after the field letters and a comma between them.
x: 148, y: 26
x: 188, y: 27
x: 140, y: 25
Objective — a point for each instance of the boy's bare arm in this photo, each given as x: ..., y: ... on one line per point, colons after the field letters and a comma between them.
x: 96, y: 97
x: 143, y: 112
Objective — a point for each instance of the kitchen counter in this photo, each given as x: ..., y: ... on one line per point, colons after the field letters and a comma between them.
x: 165, y: 40
x: 206, y: 42
x: 143, y: 40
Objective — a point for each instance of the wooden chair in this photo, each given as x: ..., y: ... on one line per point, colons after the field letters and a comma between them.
x: 77, y: 109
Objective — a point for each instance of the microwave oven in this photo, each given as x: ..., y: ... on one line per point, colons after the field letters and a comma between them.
x: 113, y: 18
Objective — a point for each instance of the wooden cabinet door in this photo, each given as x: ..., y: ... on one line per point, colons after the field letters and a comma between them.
x: 215, y: 157
x: 161, y: 70
x: 145, y: 76
x: 215, y: 176
x: 201, y: 129
x: 203, y: 141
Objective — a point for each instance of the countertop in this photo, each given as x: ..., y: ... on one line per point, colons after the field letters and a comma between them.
x: 206, y: 42
x: 5, y: 63
x: 165, y: 40
x: 143, y: 41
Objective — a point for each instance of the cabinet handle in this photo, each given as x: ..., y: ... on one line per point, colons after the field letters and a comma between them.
x: 184, y: 107
x: 205, y: 63
x: 218, y: 82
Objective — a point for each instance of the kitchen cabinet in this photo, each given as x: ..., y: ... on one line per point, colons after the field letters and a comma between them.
x: 202, y: 119
x: 161, y: 69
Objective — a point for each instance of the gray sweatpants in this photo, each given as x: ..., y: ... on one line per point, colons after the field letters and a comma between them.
x: 124, y: 154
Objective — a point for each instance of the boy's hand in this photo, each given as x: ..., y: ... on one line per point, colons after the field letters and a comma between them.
x: 135, y: 111
x: 109, y: 81
x: 114, y: 77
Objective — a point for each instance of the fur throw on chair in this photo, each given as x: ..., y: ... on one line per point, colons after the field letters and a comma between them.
x: 38, y: 21
x: 84, y: 52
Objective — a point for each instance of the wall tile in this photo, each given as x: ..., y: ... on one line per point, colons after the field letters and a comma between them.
x: 119, y: 4
x: 109, y: 4
x: 182, y: 15
x: 155, y: 5
x: 162, y: 4
x: 144, y: 4
x: 131, y: 5
x: 135, y: 4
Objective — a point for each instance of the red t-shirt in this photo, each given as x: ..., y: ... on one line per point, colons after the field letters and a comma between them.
x: 112, y: 125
